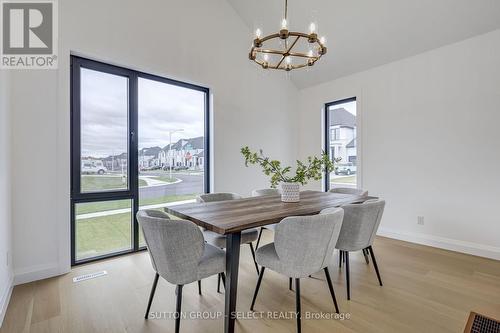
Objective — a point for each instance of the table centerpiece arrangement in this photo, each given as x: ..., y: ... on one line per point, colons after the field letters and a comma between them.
x: 312, y: 169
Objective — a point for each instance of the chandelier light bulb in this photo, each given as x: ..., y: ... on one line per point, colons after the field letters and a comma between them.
x: 284, y: 24
x: 266, y: 57
x: 258, y: 33
x: 310, y: 53
x: 323, y: 40
x: 312, y: 28
x: 288, y: 60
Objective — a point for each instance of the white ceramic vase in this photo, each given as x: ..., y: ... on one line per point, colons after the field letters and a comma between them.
x: 290, y: 192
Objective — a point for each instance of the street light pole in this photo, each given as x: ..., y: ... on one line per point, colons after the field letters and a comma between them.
x: 170, y: 148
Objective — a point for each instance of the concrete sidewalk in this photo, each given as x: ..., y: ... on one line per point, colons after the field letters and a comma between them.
x: 151, y: 181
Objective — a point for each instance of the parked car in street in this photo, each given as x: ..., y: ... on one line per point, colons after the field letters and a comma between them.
x: 93, y: 167
x: 345, y: 169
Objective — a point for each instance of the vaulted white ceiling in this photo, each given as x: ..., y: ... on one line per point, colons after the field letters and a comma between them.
x: 362, y: 34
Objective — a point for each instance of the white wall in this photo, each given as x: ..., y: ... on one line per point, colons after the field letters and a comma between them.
x: 5, y: 196
x: 430, y: 142
x: 203, y: 42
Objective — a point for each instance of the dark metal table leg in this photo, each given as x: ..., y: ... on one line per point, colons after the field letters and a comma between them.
x: 233, y: 243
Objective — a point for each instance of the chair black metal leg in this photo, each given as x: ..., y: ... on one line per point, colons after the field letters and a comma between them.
x: 290, y: 283
x: 258, y: 239
x: 151, y: 295
x: 332, y: 292
x: 297, y: 301
x: 199, y: 287
x: 253, y: 256
x: 370, y: 249
x: 178, y: 308
x: 261, y: 275
x: 340, y: 258
x: 365, y: 254
x: 218, y: 282
x: 346, y: 256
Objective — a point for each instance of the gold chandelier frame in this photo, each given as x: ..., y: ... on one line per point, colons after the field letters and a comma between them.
x: 309, y: 58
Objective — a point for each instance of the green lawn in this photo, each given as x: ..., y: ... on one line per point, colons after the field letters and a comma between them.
x: 345, y: 180
x: 90, y: 183
x: 101, y: 235
x: 166, y: 199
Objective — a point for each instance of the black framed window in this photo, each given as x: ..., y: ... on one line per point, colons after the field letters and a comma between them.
x: 139, y: 141
x: 340, y: 139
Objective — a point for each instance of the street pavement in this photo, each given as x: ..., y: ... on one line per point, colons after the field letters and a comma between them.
x: 190, y: 184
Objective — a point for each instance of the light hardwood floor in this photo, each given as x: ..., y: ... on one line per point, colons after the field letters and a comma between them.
x: 425, y: 290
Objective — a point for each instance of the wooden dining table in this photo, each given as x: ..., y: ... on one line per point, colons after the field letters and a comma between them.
x: 231, y: 217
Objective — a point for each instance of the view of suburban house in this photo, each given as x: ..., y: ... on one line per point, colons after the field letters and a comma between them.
x: 342, y: 143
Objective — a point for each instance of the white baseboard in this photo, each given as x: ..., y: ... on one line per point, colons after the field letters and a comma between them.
x: 34, y: 273
x: 4, y: 300
x: 476, y: 249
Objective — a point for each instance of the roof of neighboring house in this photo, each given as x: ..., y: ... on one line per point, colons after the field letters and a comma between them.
x: 177, y: 145
x: 195, y: 143
x: 351, y: 144
x: 153, y: 151
x: 342, y: 117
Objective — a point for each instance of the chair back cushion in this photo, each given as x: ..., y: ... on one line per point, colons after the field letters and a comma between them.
x: 305, y: 244
x: 348, y: 190
x: 157, y: 214
x: 175, y: 246
x: 361, y: 222
x: 213, y: 197
x: 265, y: 191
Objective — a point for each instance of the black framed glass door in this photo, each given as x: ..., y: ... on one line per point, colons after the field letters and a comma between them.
x: 139, y: 141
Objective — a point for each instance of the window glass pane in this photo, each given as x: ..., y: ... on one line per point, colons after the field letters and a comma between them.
x: 104, y: 131
x: 171, y: 144
x: 102, y: 228
x: 342, y: 143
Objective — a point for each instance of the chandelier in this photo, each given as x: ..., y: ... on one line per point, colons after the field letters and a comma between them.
x: 286, y: 49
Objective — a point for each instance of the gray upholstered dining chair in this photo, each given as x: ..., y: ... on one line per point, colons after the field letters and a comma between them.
x: 178, y: 254
x: 265, y: 191
x: 303, y: 245
x: 361, y: 222
x: 214, y: 197
x: 348, y: 190
x: 247, y: 236
x: 260, y: 193
x: 354, y: 191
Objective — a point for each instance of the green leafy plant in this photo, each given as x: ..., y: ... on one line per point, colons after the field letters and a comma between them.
x: 305, y: 171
